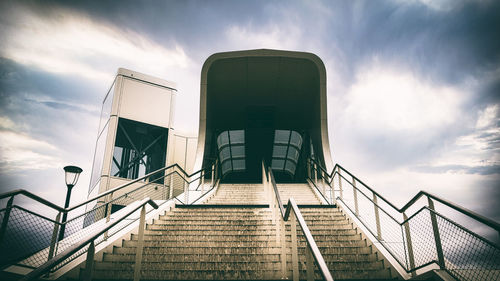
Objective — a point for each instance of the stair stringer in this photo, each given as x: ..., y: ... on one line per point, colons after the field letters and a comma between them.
x: 396, y: 270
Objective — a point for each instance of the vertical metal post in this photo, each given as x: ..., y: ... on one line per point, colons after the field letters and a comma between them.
x: 202, y: 181
x: 295, y: 254
x: 377, y: 217
x: 171, y: 191
x: 309, y: 264
x: 5, y: 220
x: 315, y: 172
x: 332, y: 190
x: 89, y: 263
x: 140, y: 245
x: 53, y: 241
x: 435, y: 228
x: 213, y: 175
x: 108, y: 212
x: 355, y: 195
x: 409, y: 245
x: 341, y: 194
x: 186, y: 191
x: 283, y: 247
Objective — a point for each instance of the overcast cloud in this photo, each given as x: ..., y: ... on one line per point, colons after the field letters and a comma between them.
x: 413, y: 86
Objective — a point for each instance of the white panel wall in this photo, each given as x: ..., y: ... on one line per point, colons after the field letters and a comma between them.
x: 183, y: 150
x: 145, y: 102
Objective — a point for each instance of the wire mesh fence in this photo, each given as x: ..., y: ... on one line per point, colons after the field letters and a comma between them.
x: 427, y: 237
x: 30, y: 239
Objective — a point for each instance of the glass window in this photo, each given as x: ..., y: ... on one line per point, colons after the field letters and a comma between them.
x: 279, y: 151
x: 296, y: 139
x: 293, y: 153
x: 106, y: 108
x: 277, y: 164
x: 231, y: 146
x: 98, y: 158
x: 237, y: 151
x: 223, y: 139
x: 139, y: 149
x: 226, y: 167
x: 225, y: 154
x: 237, y: 137
x: 287, y: 145
x: 281, y: 136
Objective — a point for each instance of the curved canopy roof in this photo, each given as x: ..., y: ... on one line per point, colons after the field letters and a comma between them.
x: 262, y: 92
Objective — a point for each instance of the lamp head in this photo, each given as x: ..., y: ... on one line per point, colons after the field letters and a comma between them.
x: 71, y: 174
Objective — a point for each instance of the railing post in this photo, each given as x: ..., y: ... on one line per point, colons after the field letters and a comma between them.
x: 171, y: 189
x: 435, y: 228
x: 409, y: 245
x: 53, y: 241
x: 315, y: 172
x: 332, y: 190
x: 186, y: 192
x: 355, y: 195
x: 283, y: 247
x: 5, y: 220
x: 309, y: 264
x: 341, y: 192
x: 140, y: 245
x: 108, y: 213
x: 213, y: 175
x: 377, y: 217
x: 295, y: 254
x: 202, y: 173
x: 89, y: 263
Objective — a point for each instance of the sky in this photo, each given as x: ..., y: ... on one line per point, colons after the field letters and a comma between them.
x: 413, y: 86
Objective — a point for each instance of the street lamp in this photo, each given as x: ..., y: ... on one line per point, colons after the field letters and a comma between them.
x: 72, y: 173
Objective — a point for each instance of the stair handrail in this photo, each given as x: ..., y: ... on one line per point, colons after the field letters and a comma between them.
x: 440, y: 255
x: 102, y: 207
x: 489, y: 222
x: 47, y: 266
x: 285, y: 215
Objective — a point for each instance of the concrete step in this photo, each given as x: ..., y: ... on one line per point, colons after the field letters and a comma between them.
x: 176, y: 274
x: 221, y: 249
x: 202, y: 243
x: 203, y: 257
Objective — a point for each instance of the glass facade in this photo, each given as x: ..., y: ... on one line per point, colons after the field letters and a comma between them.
x: 139, y: 149
x: 231, y: 147
x: 286, y: 151
x: 101, y: 139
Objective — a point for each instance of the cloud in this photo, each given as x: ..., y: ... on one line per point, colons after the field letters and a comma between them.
x: 394, y: 100
x: 66, y: 42
x: 22, y: 152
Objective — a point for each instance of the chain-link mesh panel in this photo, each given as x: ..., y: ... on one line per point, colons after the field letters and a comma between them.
x: 468, y: 256
x: 26, y: 235
x: 422, y: 238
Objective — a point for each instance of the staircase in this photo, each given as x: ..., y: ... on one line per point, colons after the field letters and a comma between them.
x: 226, y: 242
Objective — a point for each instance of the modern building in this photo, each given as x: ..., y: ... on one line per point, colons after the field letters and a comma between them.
x: 254, y: 196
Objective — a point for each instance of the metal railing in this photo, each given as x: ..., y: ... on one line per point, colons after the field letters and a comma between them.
x: 91, y: 242
x: 29, y: 238
x: 419, y: 240
x: 293, y: 215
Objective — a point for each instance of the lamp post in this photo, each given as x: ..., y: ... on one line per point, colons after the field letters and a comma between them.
x: 72, y: 173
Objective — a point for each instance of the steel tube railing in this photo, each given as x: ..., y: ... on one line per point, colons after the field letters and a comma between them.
x: 46, y: 267
x: 285, y: 215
